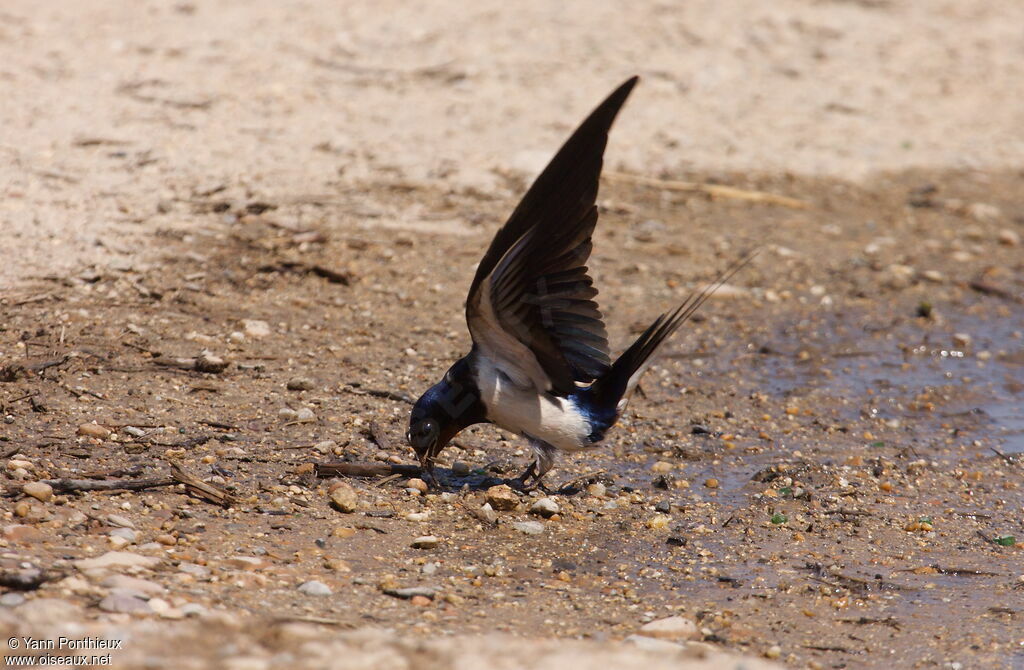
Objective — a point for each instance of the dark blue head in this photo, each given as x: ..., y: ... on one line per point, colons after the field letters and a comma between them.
x: 446, y: 408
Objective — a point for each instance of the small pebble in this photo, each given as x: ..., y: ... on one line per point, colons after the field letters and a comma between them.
x: 119, y: 521
x: 486, y: 513
x: 326, y: 446
x: 11, y: 599
x: 39, y: 490
x: 315, y: 588
x: 671, y: 628
x: 711, y: 483
x: 243, y: 563
x: 166, y: 539
x: 425, y: 542
x: 337, y: 565
x: 1009, y: 237
x: 461, y: 468
x: 207, y: 362
x: 344, y: 497
x: 658, y: 522
x: 418, y: 484
x: 529, y: 527
x: 411, y: 592
x: 502, y: 498
x: 16, y: 464
x: 116, y: 559
x: 773, y: 652
x: 984, y: 212
x: 300, y: 384
x: 420, y: 601
x: 126, y: 534
x: 126, y: 583
x: 193, y: 610
x: 94, y: 430
x: 305, y: 415
x: 118, y: 543
x: 124, y: 603
x: 545, y: 507
x: 255, y: 328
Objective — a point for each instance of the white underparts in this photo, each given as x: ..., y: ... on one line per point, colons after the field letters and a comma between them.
x: 524, y: 410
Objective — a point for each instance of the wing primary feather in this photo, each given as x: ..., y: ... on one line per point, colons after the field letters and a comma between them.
x: 533, y: 276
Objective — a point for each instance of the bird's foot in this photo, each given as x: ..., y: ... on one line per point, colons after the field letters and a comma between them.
x: 429, y: 477
x: 530, y: 480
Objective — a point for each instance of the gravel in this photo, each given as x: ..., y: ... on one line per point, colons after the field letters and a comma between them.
x: 315, y: 588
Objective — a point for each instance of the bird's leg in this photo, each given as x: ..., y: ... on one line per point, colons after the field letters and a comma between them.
x: 520, y: 482
x: 541, y: 464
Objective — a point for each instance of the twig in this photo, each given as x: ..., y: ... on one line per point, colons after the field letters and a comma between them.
x: 79, y: 392
x: 377, y: 393
x: 384, y: 481
x: 380, y: 437
x: 312, y: 619
x: 954, y: 572
x: 39, y: 367
x: 202, y: 489
x: 982, y: 286
x: 848, y: 512
x: 65, y: 485
x: 576, y: 481
x: 36, y: 298
x: 333, y: 276
x: 817, y: 647
x: 712, y: 190
x: 1005, y: 457
x: 218, y: 424
x: 365, y: 469
x: 976, y: 515
x: 863, y: 621
x: 200, y: 363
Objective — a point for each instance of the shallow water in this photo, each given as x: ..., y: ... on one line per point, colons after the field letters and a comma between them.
x: 893, y: 375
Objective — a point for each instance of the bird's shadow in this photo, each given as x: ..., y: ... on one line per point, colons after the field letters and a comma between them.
x: 446, y: 480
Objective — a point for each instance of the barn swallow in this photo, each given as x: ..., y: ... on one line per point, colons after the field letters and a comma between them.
x: 539, y: 365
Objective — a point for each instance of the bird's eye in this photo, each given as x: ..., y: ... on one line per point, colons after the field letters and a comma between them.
x: 426, y: 427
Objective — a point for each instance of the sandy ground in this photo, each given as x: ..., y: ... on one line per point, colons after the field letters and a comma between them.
x: 111, y: 111
x: 817, y: 472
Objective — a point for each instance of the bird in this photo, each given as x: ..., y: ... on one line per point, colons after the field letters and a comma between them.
x: 539, y: 365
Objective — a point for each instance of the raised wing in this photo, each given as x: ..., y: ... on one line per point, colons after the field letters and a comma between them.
x: 530, y: 306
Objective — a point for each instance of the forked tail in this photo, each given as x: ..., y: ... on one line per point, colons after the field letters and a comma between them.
x: 615, y: 387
